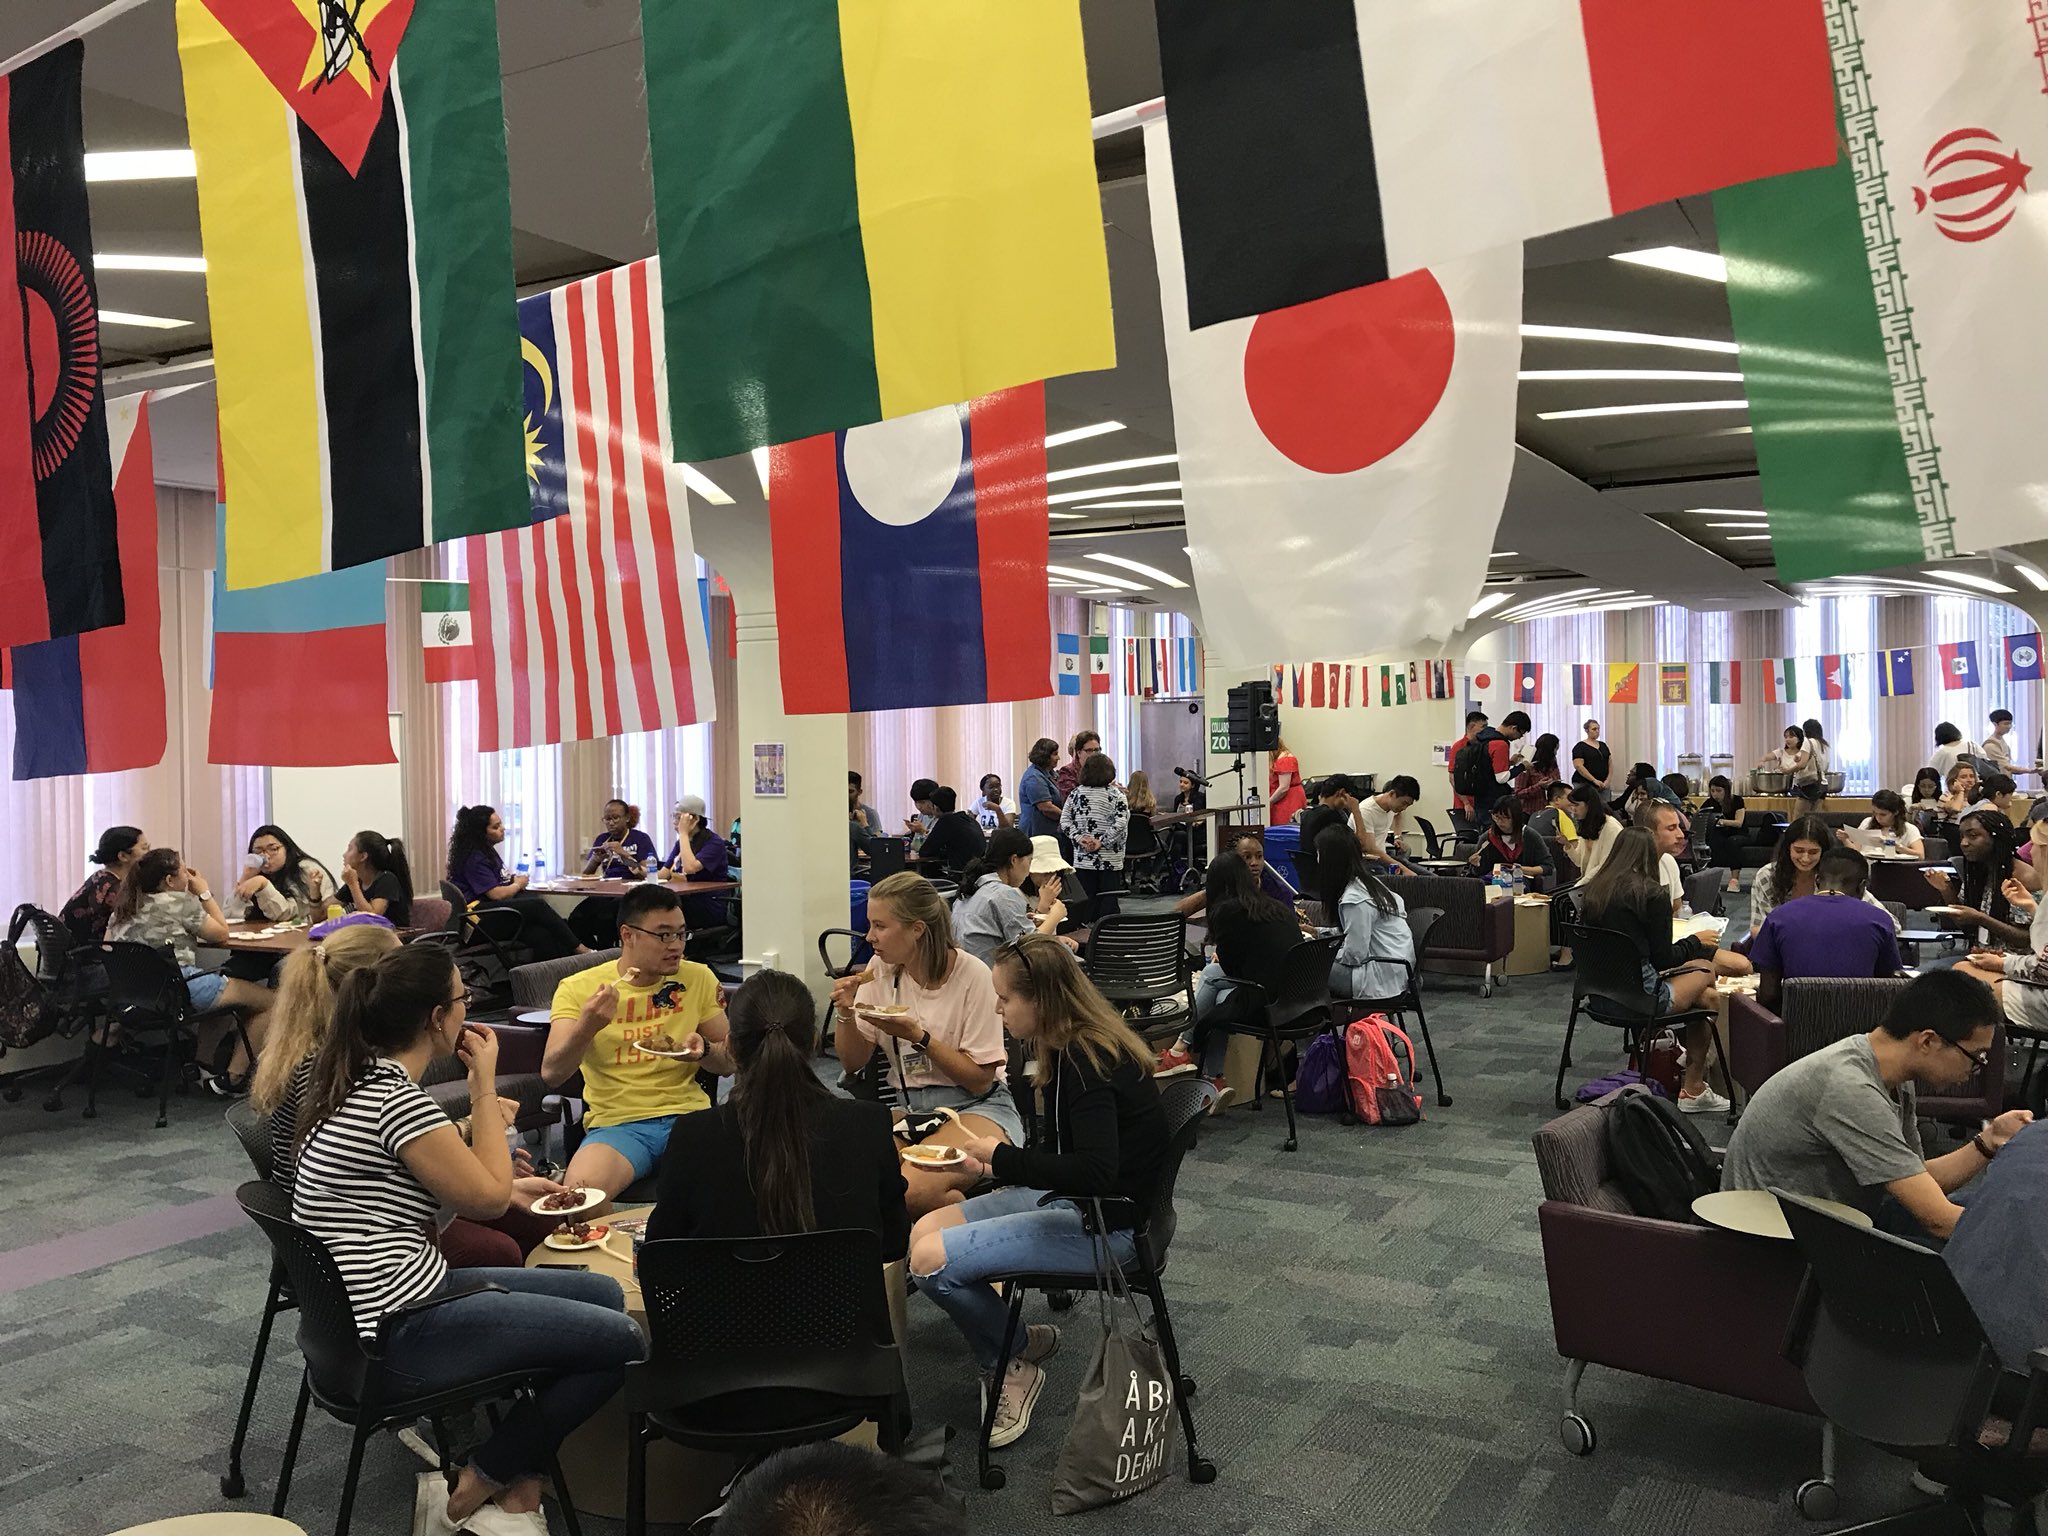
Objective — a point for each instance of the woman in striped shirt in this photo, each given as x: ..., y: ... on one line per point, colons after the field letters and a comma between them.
x: 377, y: 1162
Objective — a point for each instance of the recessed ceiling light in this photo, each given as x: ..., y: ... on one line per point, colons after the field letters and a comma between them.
x: 1627, y: 376
x: 705, y: 486
x: 1162, y: 577
x: 1114, y: 466
x: 1723, y: 512
x: 1096, y: 578
x: 1746, y: 523
x: 148, y: 322
x: 1757, y: 538
x: 1101, y: 592
x: 1664, y: 408
x: 1626, y: 338
x: 1679, y: 259
x: 1980, y: 583
x: 1081, y: 434
x: 107, y: 261
x: 139, y: 165
x: 761, y: 468
x: 1504, y: 554
x: 1486, y: 604
x: 1109, y: 506
x: 1057, y: 497
x: 2033, y: 577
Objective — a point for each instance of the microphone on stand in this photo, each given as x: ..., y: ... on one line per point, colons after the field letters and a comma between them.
x: 1192, y: 777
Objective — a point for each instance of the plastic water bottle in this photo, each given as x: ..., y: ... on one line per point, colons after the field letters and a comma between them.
x: 1517, y: 882
x: 523, y: 864
x: 540, y: 866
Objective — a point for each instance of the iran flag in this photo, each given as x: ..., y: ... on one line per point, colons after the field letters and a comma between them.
x: 1343, y: 462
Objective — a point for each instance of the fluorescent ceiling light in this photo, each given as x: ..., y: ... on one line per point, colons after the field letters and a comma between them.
x: 1096, y: 578
x: 1114, y: 466
x: 1965, y: 579
x: 147, y: 322
x: 1081, y: 434
x: 2033, y: 577
x: 1626, y: 338
x: 1486, y: 605
x: 1626, y: 376
x: 705, y: 486
x: 1503, y: 554
x: 106, y: 261
x: 1140, y: 568
x: 139, y: 165
x: 1100, y: 592
x: 1067, y: 517
x: 1112, y: 506
x: 1057, y: 497
x: 1538, y: 602
x: 1747, y: 523
x: 1679, y: 259
x: 1659, y: 409
x: 761, y: 468
x: 1757, y: 538
x: 1724, y: 512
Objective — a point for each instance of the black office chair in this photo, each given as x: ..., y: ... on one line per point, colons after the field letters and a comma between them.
x: 1893, y: 1353
x: 1297, y: 1010
x: 1145, y: 860
x: 756, y: 1343
x: 1408, y: 1000
x: 252, y: 1131
x: 1706, y: 890
x: 347, y: 1377
x: 886, y: 856
x: 1139, y: 960
x: 1186, y: 1103
x: 488, y: 944
x: 146, y: 992
x: 1607, y: 986
x: 1430, y: 839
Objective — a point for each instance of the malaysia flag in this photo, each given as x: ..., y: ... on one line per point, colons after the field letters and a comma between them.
x: 910, y: 559
x: 1529, y: 683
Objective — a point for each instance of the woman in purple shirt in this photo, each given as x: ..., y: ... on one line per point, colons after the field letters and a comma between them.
x: 476, y: 870
x: 622, y: 851
x: 700, y: 854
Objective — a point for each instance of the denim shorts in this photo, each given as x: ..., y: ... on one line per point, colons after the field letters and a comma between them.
x: 205, y: 987
x: 639, y: 1142
x: 1657, y: 987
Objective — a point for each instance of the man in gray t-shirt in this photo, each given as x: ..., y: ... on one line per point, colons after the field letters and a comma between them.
x: 1841, y: 1124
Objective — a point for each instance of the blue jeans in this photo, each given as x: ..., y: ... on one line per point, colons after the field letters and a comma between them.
x: 1211, y: 987
x: 1006, y: 1233
x: 550, y: 1319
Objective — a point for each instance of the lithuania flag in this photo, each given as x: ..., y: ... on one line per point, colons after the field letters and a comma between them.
x: 867, y: 208
x: 356, y: 214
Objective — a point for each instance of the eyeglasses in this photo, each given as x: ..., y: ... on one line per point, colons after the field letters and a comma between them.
x: 659, y: 935
x: 460, y: 999
x: 266, y: 848
x: 1977, y: 1059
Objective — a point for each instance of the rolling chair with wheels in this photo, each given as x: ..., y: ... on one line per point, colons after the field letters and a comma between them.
x: 1186, y: 1103
x: 1607, y: 987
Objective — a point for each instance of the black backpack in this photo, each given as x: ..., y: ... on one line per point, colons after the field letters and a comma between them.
x: 1661, y: 1163
x: 26, y: 1013
x: 1471, y: 770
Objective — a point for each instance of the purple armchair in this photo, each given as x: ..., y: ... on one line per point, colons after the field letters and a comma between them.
x: 1472, y: 929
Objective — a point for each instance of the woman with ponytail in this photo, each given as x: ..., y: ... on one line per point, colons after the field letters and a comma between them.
x: 377, y: 877
x: 992, y: 908
x: 783, y: 1153
x: 376, y: 1162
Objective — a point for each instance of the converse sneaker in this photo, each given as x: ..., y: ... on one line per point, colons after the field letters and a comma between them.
x: 1022, y: 1383
x: 1041, y: 1343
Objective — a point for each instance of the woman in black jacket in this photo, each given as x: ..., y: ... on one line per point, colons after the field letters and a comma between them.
x: 1104, y: 1134
x: 783, y: 1153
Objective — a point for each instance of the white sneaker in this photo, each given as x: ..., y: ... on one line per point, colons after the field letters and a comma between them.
x: 1041, y: 1343
x: 1022, y: 1383
x: 1705, y: 1102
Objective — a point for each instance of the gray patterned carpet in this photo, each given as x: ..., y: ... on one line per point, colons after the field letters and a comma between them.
x: 1367, y: 1319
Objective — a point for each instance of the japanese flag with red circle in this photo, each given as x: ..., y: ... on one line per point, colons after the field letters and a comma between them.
x: 1343, y: 462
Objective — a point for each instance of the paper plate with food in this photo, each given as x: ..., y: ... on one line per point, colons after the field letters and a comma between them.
x: 567, y: 1203
x: 573, y: 1236
x: 925, y: 1155
x: 666, y: 1046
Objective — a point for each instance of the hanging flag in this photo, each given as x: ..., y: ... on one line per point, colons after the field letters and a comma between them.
x: 1834, y: 678
x: 1098, y: 645
x: 1442, y: 680
x: 1386, y: 685
x: 1066, y: 664
x: 1400, y: 686
x: 94, y: 703
x: 1890, y: 306
x: 1959, y: 665
x: 1529, y: 683
x: 1375, y: 426
x: 1315, y: 685
x: 1187, y: 665
x: 1781, y: 685
x: 1624, y: 682
x: 881, y: 206
x: 60, y: 562
x: 583, y: 629
x: 1335, y: 699
x: 1440, y: 131
x: 912, y: 553
x: 449, y: 650
x: 2023, y: 657
x: 1895, y: 673
x: 1583, y: 692
x: 1724, y: 682
x: 1296, y: 690
x: 1349, y: 671
x: 365, y: 339
x: 1674, y: 683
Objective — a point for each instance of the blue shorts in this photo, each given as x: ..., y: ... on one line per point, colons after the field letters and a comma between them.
x: 1656, y: 987
x: 205, y: 987
x: 639, y: 1142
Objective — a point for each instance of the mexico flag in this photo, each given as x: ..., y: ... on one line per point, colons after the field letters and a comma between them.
x: 449, y: 651
x: 1322, y: 145
x: 1375, y: 426
x: 1890, y: 307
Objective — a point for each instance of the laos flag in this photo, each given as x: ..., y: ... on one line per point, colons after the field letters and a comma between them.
x: 910, y: 559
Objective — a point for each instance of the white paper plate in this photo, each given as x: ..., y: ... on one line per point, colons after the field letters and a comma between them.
x: 647, y: 1050
x: 567, y: 1244
x: 592, y: 1199
x: 935, y: 1164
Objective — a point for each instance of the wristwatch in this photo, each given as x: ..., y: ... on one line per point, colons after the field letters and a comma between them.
x: 924, y: 1040
x: 1988, y: 1153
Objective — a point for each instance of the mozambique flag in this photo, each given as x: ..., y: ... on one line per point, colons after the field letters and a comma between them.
x: 867, y: 208
x: 365, y: 334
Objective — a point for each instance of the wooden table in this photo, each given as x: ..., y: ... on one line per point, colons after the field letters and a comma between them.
x: 255, y: 939
x: 219, y: 1523
x: 571, y: 891
x: 1785, y: 805
x: 1756, y: 1213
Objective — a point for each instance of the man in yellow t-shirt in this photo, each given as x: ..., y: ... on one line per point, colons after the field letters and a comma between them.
x: 600, y: 1022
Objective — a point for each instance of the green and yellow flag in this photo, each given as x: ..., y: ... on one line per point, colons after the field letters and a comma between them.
x: 867, y: 208
x: 365, y: 329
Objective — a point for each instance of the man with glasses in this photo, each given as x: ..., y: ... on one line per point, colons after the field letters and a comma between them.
x: 1843, y: 1123
x: 610, y: 1021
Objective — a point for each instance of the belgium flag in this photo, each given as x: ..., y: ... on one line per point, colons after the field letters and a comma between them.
x: 365, y: 328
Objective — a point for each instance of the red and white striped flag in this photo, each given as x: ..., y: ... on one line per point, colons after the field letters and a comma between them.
x: 588, y: 623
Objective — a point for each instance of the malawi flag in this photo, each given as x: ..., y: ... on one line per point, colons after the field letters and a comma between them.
x: 448, y: 647
x: 1890, y: 307
x: 365, y: 336
x: 60, y: 565
x: 94, y: 703
x: 869, y: 208
x: 1321, y: 145
x: 910, y: 560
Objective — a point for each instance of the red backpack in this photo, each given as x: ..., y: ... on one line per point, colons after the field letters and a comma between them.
x: 1379, y: 1072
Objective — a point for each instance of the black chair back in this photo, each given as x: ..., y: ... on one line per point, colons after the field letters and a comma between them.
x: 1186, y: 1102
x: 335, y: 1356
x: 1138, y: 957
x: 1704, y: 889
x: 53, y: 941
x: 1889, y: 1346
x: 1608, y: 969
x: 837, y: 968
x: 458, y: 908
x: 1421, y: 920
x: 1429, y: 836
x: 252, y: 1129
x: 886, y: 856
x: 1301, y: 994
x: 145, y: 988
x: 948, y: 889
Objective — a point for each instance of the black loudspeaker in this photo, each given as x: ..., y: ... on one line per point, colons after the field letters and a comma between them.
x: 1254, y: 718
